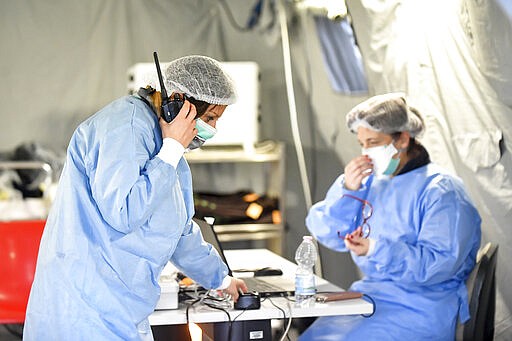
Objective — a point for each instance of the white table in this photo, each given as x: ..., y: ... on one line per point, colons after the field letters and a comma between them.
x: 258, y: 258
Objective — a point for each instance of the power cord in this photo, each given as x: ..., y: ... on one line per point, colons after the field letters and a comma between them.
x: 227, y: 313
x: 289, y: 323
x: 278, y: 307
x: 222, y: 303
x: 214, y: 302
x: 373, y: 303
x: 188, y: 307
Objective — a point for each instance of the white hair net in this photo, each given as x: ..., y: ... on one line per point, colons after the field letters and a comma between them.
x: 388, y: 113
x: 202, y: 78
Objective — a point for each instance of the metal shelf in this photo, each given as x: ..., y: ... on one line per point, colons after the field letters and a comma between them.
x: 269, y: 152
x: 248, y: 228
x: 231, y: 237
x: 271, y: 233
x: 234, y: 154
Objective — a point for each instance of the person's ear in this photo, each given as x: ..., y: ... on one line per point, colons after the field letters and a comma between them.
x: 404, y: 140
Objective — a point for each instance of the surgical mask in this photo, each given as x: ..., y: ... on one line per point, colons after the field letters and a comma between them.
x: 382, y: 159
x: 204, y: 132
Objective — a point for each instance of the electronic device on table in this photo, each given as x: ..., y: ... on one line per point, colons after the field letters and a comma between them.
x: 266, y: 286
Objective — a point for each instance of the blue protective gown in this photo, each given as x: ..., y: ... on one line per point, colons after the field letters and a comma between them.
x: 427, y: 234
x: 119, y: 216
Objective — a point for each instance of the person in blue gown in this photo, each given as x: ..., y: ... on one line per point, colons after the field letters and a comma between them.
x: 124, y: 208
x: 409, y: 225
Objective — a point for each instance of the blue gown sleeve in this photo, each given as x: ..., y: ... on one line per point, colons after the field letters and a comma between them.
x: 334, y: 214
x: 447, y: 242
x: 128, y: 183
x: 200, y: 259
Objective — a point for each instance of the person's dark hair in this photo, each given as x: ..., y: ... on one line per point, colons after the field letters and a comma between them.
x: 201, y: 106
x: 414, y: 146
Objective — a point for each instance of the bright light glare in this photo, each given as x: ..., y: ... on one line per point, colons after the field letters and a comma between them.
x: 196, y: 334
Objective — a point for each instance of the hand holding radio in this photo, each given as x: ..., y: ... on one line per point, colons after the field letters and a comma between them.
x: 183, y: 127
x: 177, y: 115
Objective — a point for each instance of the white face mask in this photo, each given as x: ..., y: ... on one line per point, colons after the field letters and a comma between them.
x: 382, y: 159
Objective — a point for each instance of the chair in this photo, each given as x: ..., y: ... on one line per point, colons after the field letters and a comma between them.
x: 19, y: 246
x: 481, y: 286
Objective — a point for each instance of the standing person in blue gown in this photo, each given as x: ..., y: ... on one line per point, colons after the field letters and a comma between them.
x: 124, y: 208
x: 409, y: 225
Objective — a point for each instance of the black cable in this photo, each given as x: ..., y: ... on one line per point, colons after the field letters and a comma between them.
x: 227, y: 313
x: 284, y: 313
x: 288, y: 298
x: 237, y: 316
x: 188, y: 307
x: 373, y: 303
x: 231, y: 324
x: 284, y: 318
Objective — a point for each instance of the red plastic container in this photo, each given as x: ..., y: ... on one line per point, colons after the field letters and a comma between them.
x: 19, y: 246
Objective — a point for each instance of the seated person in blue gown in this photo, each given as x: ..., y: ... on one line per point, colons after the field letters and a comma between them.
x: 124, y: 208
x: 409, y: 225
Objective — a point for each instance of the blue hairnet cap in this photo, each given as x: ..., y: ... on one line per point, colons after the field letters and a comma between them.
x: 387, y: 113
x: 202, y: 78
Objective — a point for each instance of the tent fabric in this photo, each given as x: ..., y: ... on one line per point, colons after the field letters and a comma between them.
x: 492, y: 55
x: 423, y: 49
x: 341, y: 55
x: 62, y: 60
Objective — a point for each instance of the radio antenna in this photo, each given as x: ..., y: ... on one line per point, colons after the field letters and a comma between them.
x: 163, y: 92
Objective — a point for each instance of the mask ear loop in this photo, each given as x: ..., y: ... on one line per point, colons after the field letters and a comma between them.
x: 398, y: 150
x: 401, y: 150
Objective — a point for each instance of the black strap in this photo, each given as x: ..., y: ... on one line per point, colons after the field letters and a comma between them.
x: 143, y: 94
x: 421, y: 159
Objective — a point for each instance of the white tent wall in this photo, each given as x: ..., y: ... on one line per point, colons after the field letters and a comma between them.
x: 62, y: 60
x: 442, y: 55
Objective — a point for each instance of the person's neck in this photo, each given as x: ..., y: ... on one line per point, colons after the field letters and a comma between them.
x: 404, y: 158
x: 416, y: 157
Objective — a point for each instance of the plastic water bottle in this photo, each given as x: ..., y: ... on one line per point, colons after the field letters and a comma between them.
x: 305, y: 287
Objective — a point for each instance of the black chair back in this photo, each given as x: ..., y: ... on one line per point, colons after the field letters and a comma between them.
x: 482, y: 297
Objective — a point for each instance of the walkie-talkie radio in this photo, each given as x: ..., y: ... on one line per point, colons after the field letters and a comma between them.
x: 170, y: 107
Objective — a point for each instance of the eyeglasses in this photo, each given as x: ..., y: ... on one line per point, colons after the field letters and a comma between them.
x: 367, y: 211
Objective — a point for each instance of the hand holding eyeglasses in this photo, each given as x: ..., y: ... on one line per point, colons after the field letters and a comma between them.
x: 356, y: 242
x: 366, y: 211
